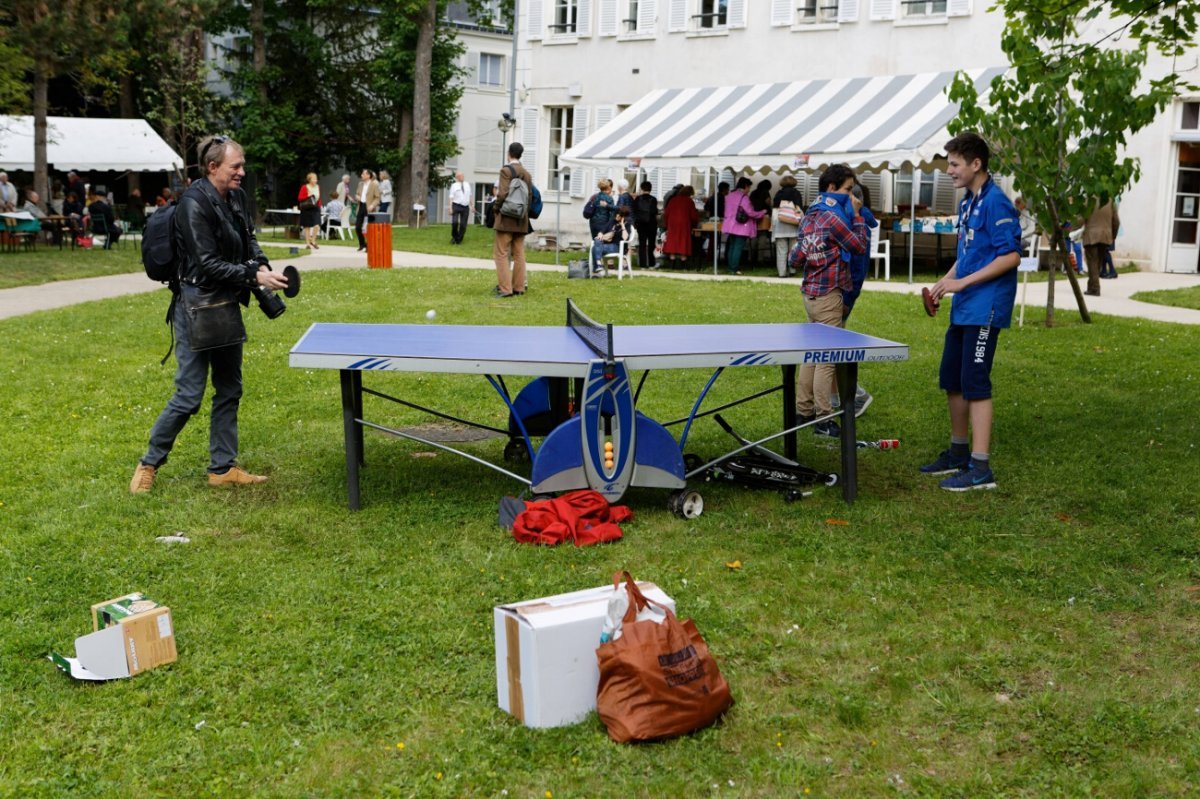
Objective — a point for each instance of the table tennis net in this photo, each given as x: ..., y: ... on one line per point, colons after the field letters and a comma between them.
x: 597, y: 336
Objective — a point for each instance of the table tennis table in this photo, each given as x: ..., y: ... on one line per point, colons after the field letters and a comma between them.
x: 581, y: 398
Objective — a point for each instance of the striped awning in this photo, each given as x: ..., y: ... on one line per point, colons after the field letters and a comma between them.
x: 866, y: 122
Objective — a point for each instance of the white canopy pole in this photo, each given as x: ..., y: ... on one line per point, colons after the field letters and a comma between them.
x: 912, y: 223
x: 712, y: 192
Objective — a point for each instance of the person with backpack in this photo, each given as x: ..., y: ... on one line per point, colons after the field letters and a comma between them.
x: 217, y: 264
x: 600, y: 208
x: 831, y: 233
x: 645, y: 222
x: 513, y: 197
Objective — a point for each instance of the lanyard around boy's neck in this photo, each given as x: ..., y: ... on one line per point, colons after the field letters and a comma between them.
x: 975, y: 198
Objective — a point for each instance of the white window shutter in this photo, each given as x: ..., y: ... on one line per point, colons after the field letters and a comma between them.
x: 578, y: 133
x: 736, y: 14
x: 883, y: 9
x: 535, y: 25
x: 647, y: 16
x: 782, y: 12
x: 607, y: 24
x: 677, y: 16
x: 874, y: 185
x: 847, y: 11
x: 583, y: 18
x: 943, y: 193
x: 472, y: 69
x: 656, y: 187
x: 604, y: 115
x: 669, y: 178
x: 958, y: 8
x: 530, y: 116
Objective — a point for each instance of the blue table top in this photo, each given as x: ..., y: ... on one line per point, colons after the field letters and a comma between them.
x: 558, y: 352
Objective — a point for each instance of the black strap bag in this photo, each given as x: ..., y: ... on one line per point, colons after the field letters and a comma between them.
x: 214, y: 318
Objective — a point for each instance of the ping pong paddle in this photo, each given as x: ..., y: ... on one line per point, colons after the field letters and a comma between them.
x: 931, y: 305
x: 293, y: 278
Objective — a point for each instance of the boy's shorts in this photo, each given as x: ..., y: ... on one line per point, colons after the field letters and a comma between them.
x: 967, y: 361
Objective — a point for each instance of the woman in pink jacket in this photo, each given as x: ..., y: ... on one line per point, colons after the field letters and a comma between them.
x: 738, y: 234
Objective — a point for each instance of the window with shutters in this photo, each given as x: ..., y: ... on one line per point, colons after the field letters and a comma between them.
x: 904, y: 187
x: 566, y: 16
x: 491, y: 71
x: 634, y: 19
x: 630, y: 23
x: 919, y: 9
x: 711, y: 14
x: 562, y: 127
x: 816, y: 12
x: 490, y: 13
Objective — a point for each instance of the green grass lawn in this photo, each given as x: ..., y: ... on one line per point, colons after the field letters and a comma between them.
x: 1034, y: 641
x: 1179, y: 298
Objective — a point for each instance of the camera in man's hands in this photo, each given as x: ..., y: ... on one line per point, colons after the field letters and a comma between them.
x: 269, y: 301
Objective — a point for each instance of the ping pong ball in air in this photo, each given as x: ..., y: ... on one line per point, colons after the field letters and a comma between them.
x: 430, y: 313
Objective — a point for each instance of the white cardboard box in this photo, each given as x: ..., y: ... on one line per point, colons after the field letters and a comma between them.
x: 546, y: 672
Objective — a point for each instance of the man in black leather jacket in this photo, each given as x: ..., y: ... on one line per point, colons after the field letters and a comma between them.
x: 218, y: 257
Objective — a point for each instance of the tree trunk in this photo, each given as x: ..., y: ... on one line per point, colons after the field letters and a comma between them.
x: 259, y: 39
x: 1074, y: 281
x: 402, y: 191
x: 422, y: 80
x: 128, y: 110
x: 1060, y: 256
x: 41, y: 104
x: 1055, y: 262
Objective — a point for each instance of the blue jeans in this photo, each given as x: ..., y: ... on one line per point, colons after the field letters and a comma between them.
x: 190, y: 379
x: 601, y: 249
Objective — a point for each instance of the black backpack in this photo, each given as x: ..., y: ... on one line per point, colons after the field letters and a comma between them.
x: 158, y: 245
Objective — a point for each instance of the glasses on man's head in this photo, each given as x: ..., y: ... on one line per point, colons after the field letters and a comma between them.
x: 215, y: 141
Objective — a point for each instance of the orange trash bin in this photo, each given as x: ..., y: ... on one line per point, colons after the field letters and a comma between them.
x: 379, y: 241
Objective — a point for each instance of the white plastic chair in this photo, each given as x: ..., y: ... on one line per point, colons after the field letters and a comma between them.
x: 881, y: 250
x: 621, y: 256
x: 341, y: 225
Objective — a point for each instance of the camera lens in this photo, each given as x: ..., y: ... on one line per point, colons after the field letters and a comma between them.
x: 269, y: 302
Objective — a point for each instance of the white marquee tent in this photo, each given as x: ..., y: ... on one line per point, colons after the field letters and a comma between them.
x: 870, y: 123
x: 123, y: 145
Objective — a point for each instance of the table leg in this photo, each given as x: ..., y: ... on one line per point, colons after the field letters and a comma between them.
x: 353, y: 432
x: 847, y: 379
x: 358, y: 414
x: 789, y: 410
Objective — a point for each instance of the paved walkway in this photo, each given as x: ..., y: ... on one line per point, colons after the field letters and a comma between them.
x: 1115, y: 300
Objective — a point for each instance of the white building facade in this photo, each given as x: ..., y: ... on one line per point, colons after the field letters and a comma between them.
x: 580, y: 62
x: 480, y: 127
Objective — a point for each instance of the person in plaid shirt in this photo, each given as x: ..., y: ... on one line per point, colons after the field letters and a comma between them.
x: 831, y: 231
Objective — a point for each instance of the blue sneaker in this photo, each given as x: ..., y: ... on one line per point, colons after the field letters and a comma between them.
x: 828, y: 428
x: 977, y: 475
x: 946, y: 463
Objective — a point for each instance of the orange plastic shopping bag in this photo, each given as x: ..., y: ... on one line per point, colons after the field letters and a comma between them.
x: 657, y: 680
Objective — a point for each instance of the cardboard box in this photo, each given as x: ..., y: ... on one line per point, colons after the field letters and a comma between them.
x: 131, y: 634
x: 546, y: 672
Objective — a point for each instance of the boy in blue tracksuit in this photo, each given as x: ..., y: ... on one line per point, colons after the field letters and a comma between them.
x: 983, y: 281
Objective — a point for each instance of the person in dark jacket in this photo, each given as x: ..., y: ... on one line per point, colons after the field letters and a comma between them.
x: 104, y: 222
x: 219, y: 261
x: 645, y: 222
